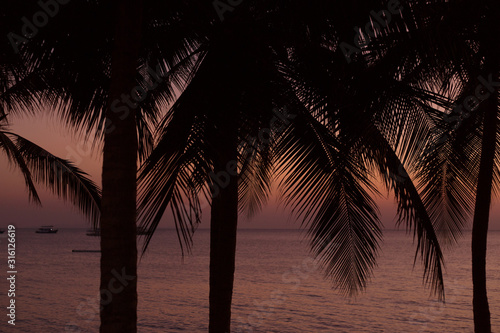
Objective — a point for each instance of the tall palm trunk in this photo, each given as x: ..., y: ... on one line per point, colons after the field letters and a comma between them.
x: 118, y: 222
x: 481, y: 215
x: 489, y: 33
x: 223, y: 226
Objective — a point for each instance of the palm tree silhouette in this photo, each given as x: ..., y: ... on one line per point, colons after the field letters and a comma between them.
x: 239, y: 79
x: 19, y: 94
x: 91, y: 77
x: 224, y: 105
x: 118, y: 222
x: 67, y: 69
x: 453, y: 48
x: 211, y: 131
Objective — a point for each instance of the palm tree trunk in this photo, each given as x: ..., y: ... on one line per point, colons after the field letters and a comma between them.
x: 223, y: 226
x: 481, y: 215
x: 118, y: 220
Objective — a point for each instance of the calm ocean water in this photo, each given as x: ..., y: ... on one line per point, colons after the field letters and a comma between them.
x: 277, y: 288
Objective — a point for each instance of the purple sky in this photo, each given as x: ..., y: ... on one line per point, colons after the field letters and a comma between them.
x: 50, y: 134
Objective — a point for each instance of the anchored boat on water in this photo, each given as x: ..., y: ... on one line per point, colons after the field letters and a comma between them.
x: 46, y: 229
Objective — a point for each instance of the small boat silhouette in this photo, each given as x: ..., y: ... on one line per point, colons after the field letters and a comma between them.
x: 46, y: 229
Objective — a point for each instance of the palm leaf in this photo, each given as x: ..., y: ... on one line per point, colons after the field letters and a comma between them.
x: 17, y: 158
x: 325, y: 184
x: 61, y: 177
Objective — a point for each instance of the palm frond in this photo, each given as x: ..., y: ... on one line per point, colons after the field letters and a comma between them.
x: 411, y: 208
x: 61, y: 177
x: 326, y: 186
x: 448, y: 170
x: 173, y: 176
x: 16, y: 157
x: 257, y: 167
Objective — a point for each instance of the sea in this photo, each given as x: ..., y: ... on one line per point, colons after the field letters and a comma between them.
x: 279, y: 286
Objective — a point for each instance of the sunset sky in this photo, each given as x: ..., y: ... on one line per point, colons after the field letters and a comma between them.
x: 52, y: 135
